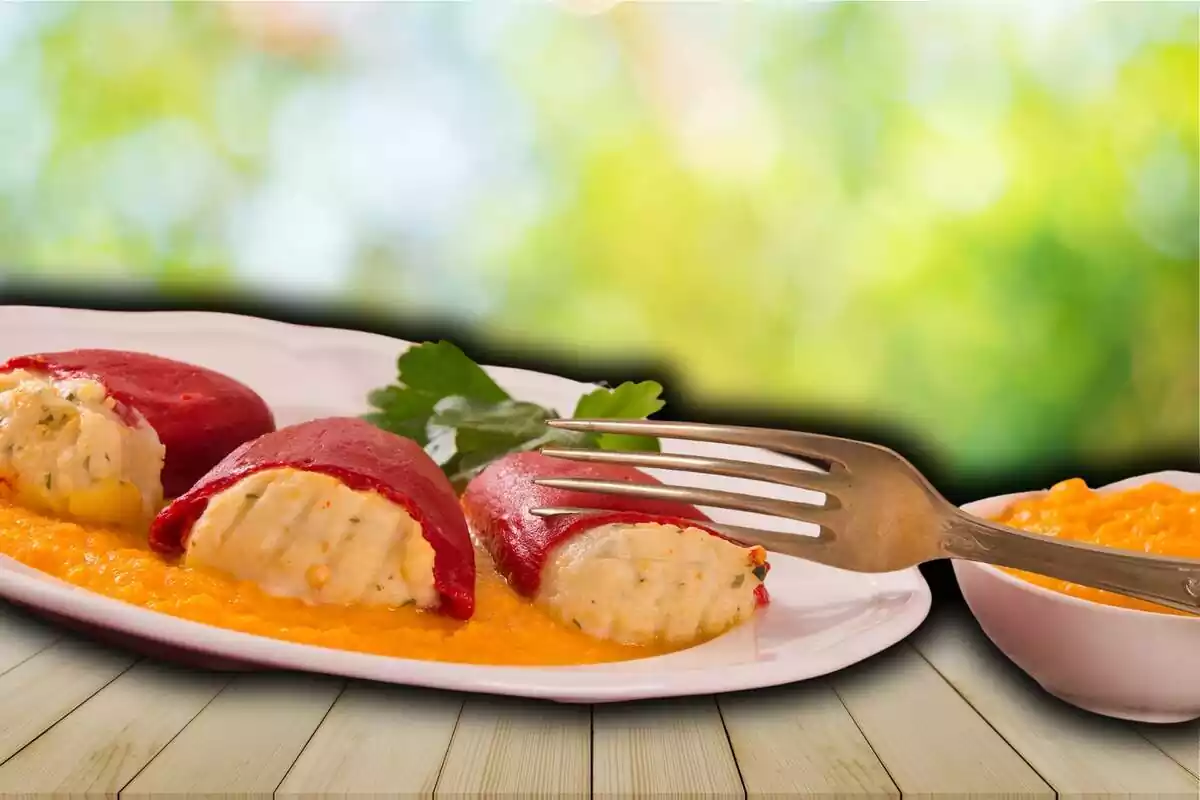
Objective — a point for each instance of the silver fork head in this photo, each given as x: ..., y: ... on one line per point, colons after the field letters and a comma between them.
x: 880, y: 513
x: 895, y: 527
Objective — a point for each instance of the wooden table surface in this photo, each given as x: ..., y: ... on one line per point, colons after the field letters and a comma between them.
x: 942, y: 713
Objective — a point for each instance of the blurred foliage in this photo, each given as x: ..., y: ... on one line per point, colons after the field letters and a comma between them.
x: 980, y: 223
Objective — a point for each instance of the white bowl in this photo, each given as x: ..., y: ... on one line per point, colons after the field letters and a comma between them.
x: 1119, y: 662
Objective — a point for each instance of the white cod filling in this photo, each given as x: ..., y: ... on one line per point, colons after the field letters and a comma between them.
x: 645, y: 583
x: 64, y: 450
x: 307, y: 535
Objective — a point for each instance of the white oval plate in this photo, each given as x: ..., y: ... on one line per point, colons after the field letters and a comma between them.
x: 820, y: 619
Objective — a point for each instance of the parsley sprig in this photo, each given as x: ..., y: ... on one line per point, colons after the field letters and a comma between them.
x: 450, y: 406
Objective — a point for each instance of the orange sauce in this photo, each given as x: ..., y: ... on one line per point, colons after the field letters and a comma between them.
x: 505, y: 630
x: 1154, y: 518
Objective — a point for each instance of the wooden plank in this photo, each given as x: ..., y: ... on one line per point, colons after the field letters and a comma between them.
x: 244, y: 741
x: 45, y: 688
x: 376, y: 740
x: 1180, y: 742
x: 505, y: 746
x: 799, y: 741
x: 662, y: 747
x: 111, y: 737
x: 1075, y: 752
x: 929, y: 739
x: 21, y: 638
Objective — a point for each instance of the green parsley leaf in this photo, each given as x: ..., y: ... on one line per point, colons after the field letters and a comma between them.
x: 425, y: 375
x: 461, y: 425
x: 449, y: 405
x: 441, y: 369
x: 465, y: 436
x: 627, y: 401
x: 402, y: 411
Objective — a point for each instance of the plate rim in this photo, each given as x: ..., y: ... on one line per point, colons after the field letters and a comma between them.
x: 570, y: 684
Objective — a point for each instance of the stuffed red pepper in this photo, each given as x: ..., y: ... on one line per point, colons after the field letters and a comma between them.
x: 638, y: 572
x: 332, y: 511
x: 103, y: 435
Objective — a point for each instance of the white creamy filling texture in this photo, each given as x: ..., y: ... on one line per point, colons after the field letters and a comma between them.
x: 307, y: 535
x: 65, y: 450
x: 648, y: 582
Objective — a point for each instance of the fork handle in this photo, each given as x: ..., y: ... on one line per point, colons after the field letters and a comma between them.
x: 1172, y: 582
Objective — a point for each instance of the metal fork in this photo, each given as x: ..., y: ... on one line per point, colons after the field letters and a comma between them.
x: 880, y: 514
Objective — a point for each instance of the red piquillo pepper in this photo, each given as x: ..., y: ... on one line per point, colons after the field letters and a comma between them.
x: 363, y: 458
x: 497, y: 504
x: 200, y: 415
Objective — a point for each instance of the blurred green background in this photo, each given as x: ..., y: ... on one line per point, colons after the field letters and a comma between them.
x: 976, y: 223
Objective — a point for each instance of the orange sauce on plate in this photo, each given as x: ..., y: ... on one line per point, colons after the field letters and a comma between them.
x: 1154, y: 518
x: 505, y: 630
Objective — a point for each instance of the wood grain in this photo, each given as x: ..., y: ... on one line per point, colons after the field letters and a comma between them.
x: 662, y: 748
x: 111, y: 737
x: 40, y: 691
x: 506, y: 746
x: 929, y: 739
x: 799, y: 740
x: 376, y: 740
x: 1180, y: 742
x: 1076, y: 752
x: 21, y: 638
x: 244, y: 741
x: 944, y: 715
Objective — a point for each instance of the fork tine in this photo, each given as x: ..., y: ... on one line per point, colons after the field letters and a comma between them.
x: 811, y: 548
x: 799, y: 478
x: 803, y: 512
x: 805, y: 445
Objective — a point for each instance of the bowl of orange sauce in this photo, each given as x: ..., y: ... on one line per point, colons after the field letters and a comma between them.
x: 1103, y: 652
